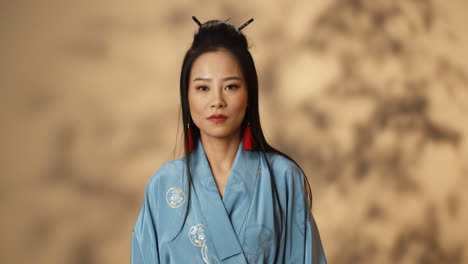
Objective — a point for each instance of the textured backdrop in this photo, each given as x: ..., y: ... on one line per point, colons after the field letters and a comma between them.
x: 369, y: 96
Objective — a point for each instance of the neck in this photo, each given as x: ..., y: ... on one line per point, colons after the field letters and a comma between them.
x: 221, y: 152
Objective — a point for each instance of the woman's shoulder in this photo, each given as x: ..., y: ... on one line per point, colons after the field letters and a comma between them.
x: 165, y: 190
x: 170, y: 173
x: 280, y: 162
x: 285, y: 168
x: 289, y: 178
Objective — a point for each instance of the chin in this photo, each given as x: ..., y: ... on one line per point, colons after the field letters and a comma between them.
x: 219, y: 133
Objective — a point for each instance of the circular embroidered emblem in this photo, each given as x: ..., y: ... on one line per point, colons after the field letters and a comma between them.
x: 197, y: 235
x: 204, y: 253
x: 175, y: 197
x: 258, y: 242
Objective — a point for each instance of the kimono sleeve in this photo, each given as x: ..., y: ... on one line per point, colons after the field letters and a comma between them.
x: 303, y: 244
x: 144, y: 249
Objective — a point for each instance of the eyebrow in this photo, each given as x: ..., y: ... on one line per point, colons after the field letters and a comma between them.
x: 224, y: 79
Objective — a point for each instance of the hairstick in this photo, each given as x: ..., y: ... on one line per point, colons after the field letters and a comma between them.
x: 240, y: 28
x: 245, y: 24
x: 196, y: 21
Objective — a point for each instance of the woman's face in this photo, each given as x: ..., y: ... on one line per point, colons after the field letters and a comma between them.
x: 217, y: 95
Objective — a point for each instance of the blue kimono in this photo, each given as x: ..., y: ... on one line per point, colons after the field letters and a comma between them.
x: 244, y: 226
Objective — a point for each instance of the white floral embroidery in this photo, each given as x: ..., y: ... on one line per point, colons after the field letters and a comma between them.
x: 198, y: 238
x: 175, y: 197
x: 204, y: 252
x: 197, y: 235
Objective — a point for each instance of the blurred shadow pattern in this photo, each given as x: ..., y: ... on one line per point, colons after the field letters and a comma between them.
x: 370, y: 97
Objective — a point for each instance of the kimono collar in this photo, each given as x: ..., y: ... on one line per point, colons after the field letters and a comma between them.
x: 243, y: 170
x: 224, y: 217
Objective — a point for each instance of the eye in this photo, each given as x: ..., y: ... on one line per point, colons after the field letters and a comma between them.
x: 231, y: 87
x: 202, y: 88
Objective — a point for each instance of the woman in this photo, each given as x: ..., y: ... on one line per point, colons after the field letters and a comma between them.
x: 233, y: 198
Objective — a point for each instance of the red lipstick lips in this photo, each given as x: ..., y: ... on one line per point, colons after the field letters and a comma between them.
x: 217, y: 118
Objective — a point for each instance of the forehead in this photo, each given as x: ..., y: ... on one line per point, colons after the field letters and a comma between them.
x: 215, y: 63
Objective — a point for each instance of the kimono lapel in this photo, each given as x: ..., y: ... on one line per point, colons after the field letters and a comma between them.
x: 241, y: 185
x: 218, y: 223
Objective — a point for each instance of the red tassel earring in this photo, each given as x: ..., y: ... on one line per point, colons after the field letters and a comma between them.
x: 248, y: 140
x: 189, y: 137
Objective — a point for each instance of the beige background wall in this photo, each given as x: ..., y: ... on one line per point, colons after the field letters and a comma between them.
x: 370, y: 97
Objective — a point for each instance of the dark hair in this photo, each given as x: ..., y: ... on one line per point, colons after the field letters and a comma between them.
x: 217, y: 35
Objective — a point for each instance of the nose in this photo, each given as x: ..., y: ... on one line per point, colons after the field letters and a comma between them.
x: 218, y: 100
